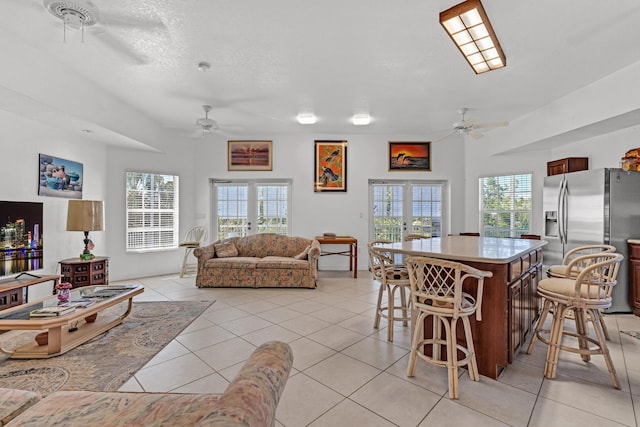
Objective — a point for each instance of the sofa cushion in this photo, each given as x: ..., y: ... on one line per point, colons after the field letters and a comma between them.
x: 14, y: 402
x: 266, y: 244
x: 304, y: 254
x: 232, y: 262
x: 226, y: 250
x: 85, y: 408
x: 282, y: 262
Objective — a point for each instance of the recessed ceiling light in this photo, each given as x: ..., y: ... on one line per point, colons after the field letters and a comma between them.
x: 361, y: 119
x: 306, y: 118
x: 203, y: 66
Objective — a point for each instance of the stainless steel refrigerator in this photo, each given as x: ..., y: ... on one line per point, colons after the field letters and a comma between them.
x: 593, y: 207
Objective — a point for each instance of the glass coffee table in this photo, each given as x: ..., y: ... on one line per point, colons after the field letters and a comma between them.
x: 67, y: 331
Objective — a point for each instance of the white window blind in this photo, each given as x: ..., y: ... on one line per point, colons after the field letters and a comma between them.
x: 505, y: 205
x: 152, y: 211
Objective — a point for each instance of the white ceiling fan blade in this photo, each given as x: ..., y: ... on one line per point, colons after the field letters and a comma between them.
x: 119, y: 47
x: 113, y: 20
x: 475, y: 134
x: 491, y: 125
x: 442, y: 138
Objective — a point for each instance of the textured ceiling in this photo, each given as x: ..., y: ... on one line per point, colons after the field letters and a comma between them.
x: 135, y: 76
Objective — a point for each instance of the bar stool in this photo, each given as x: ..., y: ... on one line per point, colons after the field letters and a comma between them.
x: 410, y: 237
x: 392, y: 277
x: 437, y: 291
x: 192, y: 240
x: 560, y: 270
x: 585, y: 295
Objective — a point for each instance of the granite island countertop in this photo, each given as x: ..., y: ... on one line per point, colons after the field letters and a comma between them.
x: 492, y: 250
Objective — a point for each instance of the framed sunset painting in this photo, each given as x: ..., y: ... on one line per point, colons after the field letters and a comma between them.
x: 410, y: 156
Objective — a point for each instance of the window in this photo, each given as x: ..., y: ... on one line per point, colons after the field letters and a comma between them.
x: 248, y: 207
x: 152, y: 211
x: 406, y: 207
x: 505, y: 205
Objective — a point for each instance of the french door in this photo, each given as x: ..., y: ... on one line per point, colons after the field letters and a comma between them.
x: 241, y: 208
x: 399, y: 208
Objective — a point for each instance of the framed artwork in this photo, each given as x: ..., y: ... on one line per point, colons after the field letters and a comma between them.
x: 250, y: 155
x: 410, y: 156
x: 59, y: 177
x: 330, y: 166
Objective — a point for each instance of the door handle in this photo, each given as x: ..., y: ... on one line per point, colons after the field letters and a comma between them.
x: 560, y: 221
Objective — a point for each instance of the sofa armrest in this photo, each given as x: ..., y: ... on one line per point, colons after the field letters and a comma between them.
x: 204, y: 253
x: 252, y: 397
x: 314, y: 252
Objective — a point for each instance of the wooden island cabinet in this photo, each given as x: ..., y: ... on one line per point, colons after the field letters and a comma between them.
x: 85, y: 273
x: 634, y: 275
x: 509, y: 303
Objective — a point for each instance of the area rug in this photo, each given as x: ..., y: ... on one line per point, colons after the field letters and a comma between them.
x: 107, y: 361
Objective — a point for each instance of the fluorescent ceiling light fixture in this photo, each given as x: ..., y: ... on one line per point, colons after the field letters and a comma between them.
x: 468, y: 26
x: 361, y: 119
x: 306, y: 118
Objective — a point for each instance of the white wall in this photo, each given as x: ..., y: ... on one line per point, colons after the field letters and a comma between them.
x: 22, y: 142
x: 343, y: 213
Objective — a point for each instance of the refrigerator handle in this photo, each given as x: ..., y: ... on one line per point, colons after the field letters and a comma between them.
x: 565, y: 214
x: 560, y: 216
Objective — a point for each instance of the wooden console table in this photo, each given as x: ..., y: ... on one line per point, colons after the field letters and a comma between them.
x: 85, y: 273
x: 15, y: 291
x: 352, y: 252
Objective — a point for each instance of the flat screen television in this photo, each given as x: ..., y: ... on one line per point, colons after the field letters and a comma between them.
x: 20, y: 237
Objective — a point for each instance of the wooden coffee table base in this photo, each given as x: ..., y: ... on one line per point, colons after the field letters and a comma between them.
x: 60, y: 339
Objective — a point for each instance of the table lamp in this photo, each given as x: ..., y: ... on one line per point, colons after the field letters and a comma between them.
x: 86, y: 216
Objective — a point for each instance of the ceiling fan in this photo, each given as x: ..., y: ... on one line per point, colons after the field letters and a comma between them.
x: 83, y: 14
x: 208, y: 125
x: 470, y: 127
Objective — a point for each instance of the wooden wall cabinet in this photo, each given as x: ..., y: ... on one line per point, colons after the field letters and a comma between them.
x: 634, y: 275
x: 85, y: 273
x: 570, y: 164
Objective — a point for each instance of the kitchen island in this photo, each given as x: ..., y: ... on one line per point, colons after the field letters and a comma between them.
x: 509, y: 304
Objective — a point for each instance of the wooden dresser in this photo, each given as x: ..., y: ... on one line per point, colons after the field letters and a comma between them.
x: 85, y: 273
x: 634, y: 275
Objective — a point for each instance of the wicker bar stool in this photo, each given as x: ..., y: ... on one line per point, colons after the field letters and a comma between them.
x: 392, y: 278
x: 584, y: 295
x: 437, y: 291
x: 194, y: 239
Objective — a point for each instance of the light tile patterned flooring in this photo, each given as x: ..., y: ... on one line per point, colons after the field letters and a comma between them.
x: 346, y: 373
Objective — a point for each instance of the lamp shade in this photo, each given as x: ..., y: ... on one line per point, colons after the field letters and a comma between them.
x: 85, y: 215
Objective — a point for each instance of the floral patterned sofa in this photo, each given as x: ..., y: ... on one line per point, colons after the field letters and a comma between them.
x: 251, y: 399
x: 266, y: 260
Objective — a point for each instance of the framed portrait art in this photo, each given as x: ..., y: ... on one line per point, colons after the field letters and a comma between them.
x: 250, y: 155
x: 330, y: 166
x: 410, y: 156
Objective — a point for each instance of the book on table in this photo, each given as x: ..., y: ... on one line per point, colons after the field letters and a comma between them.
x: 51, y: 311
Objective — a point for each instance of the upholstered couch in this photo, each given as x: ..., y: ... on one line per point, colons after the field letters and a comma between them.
x: 265, y: 260
x: 249, y: 400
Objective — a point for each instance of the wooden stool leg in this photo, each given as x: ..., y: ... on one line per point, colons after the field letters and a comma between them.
x: 605, y: 349
x: 583, y: 331
x: 452, y: 357
x: 555, y: 339
x: 415, y: 343
x: 604, y: 325
x: 391, y: 304
x: 376, y: 322
x: 473, y: 363
x: 403, y: 301
x: 543, y: 317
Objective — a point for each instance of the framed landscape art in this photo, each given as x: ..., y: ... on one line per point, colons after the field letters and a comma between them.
x: 250, y: 155
x: 410, y: 156
x: 330, y: 166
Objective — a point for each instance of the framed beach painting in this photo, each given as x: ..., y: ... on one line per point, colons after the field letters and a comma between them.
x: 410, y: 156
x: 330, y: 166
x: 249, y: 155
x: 59, y: 177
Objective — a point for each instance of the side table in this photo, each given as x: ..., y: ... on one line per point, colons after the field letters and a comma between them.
x: 85, y: 273
x: 352, y: 252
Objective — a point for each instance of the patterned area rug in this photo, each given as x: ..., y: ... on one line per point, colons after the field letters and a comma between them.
x: 106, y: 362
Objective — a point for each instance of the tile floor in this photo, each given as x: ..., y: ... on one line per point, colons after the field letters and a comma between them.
x: 345, y: 373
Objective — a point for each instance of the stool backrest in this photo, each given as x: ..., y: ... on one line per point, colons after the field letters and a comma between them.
x: 586, y: 250
x: 378, y: 258
x: 437, y: 286
x: 599, y: 275
x: 196, y: 234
